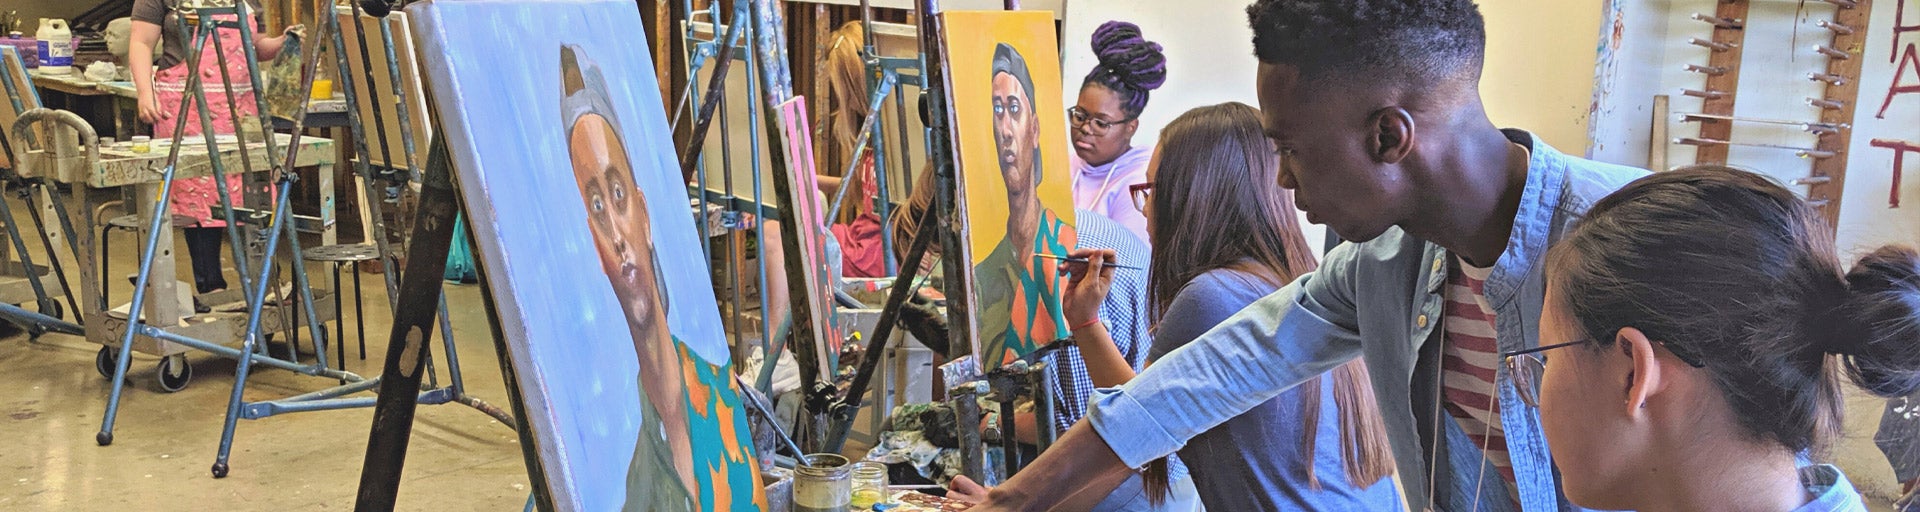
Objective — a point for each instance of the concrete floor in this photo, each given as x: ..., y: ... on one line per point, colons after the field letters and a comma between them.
x: 164, y: 443
x: 459, y: 458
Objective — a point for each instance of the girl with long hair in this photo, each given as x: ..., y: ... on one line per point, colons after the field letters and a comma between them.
x: 1224, y: 233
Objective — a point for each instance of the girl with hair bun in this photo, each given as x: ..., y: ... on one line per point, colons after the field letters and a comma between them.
x: 1105, y: 161
x: 1697, y: 324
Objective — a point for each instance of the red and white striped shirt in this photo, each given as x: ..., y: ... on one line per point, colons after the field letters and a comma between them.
x: 1470, y: 356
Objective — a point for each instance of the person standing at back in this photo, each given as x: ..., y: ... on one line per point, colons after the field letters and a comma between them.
x: 161, y: 86
x: 1105, y: 161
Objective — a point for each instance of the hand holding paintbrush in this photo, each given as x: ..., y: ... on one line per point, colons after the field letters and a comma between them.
x: 1090, y: 277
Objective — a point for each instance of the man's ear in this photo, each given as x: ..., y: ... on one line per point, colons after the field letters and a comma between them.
x: 1390, y: 135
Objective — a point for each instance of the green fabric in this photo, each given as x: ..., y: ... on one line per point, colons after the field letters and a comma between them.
x: 1000, y: 278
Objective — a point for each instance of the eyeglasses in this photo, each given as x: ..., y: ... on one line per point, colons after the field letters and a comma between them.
x: 1094, y: 125
x: 1142, y: 193
x: 1524, y: 367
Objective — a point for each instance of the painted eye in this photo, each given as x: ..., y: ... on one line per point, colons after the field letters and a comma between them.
x: 599, y: 204
x: 619, y: 192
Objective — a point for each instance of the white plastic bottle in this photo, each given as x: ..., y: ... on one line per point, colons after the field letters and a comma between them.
x: 56, y: 46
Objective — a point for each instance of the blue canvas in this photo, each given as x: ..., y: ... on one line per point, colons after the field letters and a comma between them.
x: 566, y: 164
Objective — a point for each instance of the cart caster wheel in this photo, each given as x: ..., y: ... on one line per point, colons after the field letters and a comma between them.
x: 104, y: 360
x: 104, y: 438
x: 219, y: 470
x: 169, y: 367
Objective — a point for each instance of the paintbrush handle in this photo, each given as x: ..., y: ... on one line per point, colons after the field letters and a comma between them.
x: 1082, y: 260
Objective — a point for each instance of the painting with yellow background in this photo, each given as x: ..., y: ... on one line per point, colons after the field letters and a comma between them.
x: 1010, y: 140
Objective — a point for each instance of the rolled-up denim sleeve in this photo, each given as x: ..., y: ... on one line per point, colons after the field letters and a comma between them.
x: 1278, y: 342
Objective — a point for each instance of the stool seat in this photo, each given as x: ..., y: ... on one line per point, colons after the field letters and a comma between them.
x: 342, y: 253
x: 131, y: 222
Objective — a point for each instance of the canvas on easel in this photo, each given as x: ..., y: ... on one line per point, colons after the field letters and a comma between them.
x: 566, y: 166
x: 814, y: 270
x: 1009, y: 139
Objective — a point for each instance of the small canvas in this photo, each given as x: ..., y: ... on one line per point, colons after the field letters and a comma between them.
x: 808, y: 209
x: 567, y: 170
x: 1010, y: 140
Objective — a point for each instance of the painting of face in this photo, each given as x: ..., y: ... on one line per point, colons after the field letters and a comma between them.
x: 616, y: 214
x: 615, y: 345
x: 1015, y: 131
x: 1005, y: 91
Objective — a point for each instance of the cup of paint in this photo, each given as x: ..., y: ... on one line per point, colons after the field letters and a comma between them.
x: 869, y: 485
x: 322, y: 89
x: 822, y: 483
x: 142, y: 144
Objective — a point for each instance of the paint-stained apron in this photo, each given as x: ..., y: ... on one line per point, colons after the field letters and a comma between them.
x: 195, y: 197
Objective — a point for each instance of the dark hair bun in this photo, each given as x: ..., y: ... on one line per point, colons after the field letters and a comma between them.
x: 1129, y: 57
x: 1880, y: 336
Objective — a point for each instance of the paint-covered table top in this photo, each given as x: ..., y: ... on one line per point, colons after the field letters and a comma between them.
x: 120, y: 166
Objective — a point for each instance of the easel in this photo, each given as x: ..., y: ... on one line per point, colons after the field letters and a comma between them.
x: 22, y: 99
x: 279, y: 223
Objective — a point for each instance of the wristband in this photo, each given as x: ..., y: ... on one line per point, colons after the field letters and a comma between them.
x: 1089, y: 323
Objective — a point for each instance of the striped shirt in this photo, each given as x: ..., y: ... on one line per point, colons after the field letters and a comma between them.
x: 1469, y: 359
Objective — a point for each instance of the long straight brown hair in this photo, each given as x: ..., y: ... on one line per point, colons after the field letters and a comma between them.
x: 1217, y: 204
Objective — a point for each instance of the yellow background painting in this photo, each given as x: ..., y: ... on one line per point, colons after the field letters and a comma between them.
x: 972, y: 36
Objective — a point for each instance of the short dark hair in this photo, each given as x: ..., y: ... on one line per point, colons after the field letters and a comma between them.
x: 1731, y: 270
x: 1008, y: 60
x: 1393, y: 40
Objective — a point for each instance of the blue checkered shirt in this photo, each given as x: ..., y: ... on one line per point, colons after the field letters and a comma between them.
x: 1124, y: 312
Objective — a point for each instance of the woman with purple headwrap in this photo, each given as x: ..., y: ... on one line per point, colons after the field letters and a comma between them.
x: 1105, y: 161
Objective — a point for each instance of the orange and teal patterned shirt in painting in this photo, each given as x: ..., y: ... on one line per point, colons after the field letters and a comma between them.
x: 723, y: 459
x: 1019, y: 302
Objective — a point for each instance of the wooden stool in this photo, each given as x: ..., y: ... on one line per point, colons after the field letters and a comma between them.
x: 346, y: 256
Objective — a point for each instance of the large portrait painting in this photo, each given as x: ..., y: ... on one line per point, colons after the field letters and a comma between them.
x: 1010, y: 137
x: 566, y: 166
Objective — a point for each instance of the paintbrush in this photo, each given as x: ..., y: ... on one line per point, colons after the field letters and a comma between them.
x: 1082, y: 260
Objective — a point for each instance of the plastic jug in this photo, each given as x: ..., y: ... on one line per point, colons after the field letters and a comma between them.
x: 56, y: 46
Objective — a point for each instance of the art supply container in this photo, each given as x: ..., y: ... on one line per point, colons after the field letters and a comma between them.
x: 869, y: 485
x: 823, y: 483
x: 56, y: 46
x: 29, y: 48
x: 142, y: 144
x: 322, y: 89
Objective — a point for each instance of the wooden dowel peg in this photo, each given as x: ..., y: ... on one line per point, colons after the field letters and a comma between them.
x: 1712, y: 95
x: 1827, y: 103
x: 1844, y: 4
x: 1802, y: 152
x: 1829, y: 78
x: 1712, y: 45
x: 1728, y: 23
x: 1834, y: 26
x: 1812, y: 180
x: 1707, y: 70
x: 1831, y: 52
x: 1820, y: 128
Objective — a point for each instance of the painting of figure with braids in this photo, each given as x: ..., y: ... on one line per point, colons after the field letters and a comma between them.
x: 1009, y: 133
x: 1106, y: 163
x: 620, y: 365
